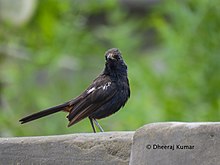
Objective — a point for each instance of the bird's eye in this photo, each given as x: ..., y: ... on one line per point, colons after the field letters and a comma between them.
x: 115, y: 56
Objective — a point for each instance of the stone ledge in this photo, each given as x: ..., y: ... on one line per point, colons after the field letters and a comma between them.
x: 153, y: 144
x: 156, y: 144
x: 77, y: 149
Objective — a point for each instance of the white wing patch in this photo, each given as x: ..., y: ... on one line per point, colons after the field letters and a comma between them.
x: 90, y: 90
x: 104, y: 87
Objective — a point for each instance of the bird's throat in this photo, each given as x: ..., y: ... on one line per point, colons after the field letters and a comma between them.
x: 115, y: 69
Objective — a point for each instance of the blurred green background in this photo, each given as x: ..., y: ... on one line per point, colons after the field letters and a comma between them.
x: 171, y: 48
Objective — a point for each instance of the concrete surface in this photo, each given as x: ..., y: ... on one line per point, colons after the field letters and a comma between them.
x: 111, y: 148
x: 170, y: 143
x: 177, y: 144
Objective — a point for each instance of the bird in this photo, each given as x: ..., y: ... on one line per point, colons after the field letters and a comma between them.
x: 107, y: 94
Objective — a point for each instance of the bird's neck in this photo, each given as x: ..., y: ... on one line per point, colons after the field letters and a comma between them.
x: 115, y: 71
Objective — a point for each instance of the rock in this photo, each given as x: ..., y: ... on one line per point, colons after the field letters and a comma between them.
x: 177, y: 144
x: 77, y: 149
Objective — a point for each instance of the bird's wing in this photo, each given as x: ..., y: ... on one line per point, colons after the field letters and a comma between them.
x: 94, y: 97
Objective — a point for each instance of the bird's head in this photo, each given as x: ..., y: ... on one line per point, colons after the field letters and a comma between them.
x: 114, y: 61
x: 113, y: 55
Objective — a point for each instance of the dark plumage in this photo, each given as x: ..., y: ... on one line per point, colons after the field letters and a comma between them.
x: 105, y: 96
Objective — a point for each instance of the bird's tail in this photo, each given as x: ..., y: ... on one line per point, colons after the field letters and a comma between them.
x: 43, y: 113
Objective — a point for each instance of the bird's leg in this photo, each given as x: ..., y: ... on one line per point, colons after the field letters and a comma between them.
x: 91, y: 121
x: 97, y: 124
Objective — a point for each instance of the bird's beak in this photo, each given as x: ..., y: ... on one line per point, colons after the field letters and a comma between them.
x: 110, y: 56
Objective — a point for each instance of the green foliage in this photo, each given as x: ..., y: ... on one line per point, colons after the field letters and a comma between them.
x: 191, y: 48
x: 60, y: 51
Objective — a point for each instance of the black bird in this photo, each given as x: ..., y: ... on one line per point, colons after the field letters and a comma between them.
x: 105, y: 96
